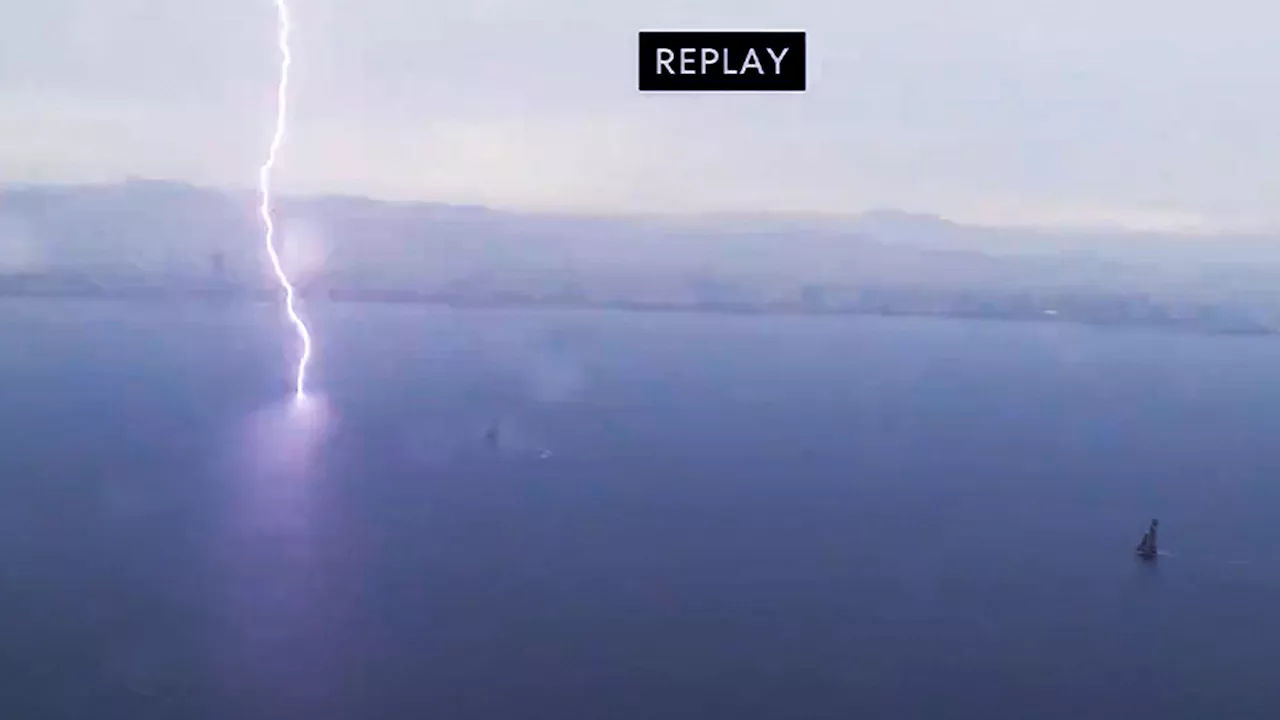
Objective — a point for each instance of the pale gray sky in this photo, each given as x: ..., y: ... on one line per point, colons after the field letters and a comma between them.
x: 1136, y: 111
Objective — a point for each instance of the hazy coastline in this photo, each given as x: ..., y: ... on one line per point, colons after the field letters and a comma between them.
x: 1113, y: 311
x: 165, y: 241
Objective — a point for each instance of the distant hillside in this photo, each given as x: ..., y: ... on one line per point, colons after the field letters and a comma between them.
x: 142, y: 232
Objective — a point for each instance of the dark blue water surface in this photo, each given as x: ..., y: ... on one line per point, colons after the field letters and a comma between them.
x: 685, y: 517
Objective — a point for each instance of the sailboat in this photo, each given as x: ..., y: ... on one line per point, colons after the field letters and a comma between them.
x: 1147, y: 549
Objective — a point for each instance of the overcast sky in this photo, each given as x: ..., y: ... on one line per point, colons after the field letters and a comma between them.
x: 1163, y: 112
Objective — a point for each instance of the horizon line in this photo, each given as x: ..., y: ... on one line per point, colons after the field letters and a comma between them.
x: 831, y: 216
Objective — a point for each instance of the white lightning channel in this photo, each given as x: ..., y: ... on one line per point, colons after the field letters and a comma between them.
x: 264, y: 187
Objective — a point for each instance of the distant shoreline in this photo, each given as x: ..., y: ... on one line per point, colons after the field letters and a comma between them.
x: 517, y: 301
x: 171, y: 243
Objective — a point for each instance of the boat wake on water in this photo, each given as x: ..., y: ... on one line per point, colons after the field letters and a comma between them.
x: 1181, y: 557
x: 1149, y: 550
x: 444, y: 443
x: 511, y: 440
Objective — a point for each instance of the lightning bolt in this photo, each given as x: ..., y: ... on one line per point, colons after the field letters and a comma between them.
x: 264, y: 188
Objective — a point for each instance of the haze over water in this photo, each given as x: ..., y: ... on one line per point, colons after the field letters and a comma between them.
x: 686, y: 517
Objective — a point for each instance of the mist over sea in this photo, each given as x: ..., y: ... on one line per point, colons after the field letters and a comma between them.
x: 684, y: 516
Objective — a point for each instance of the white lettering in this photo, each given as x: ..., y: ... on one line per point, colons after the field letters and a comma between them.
x: 709, y: 57
x: 686, y: 59
x: 665, y: 56
x: 728, y: 70
x: 752, y: 60
x: 777, y: 59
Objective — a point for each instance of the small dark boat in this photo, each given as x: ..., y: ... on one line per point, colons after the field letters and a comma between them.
x: 1147, y: 549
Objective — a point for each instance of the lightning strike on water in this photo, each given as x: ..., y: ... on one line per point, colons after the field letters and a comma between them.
x: 264, y: 187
